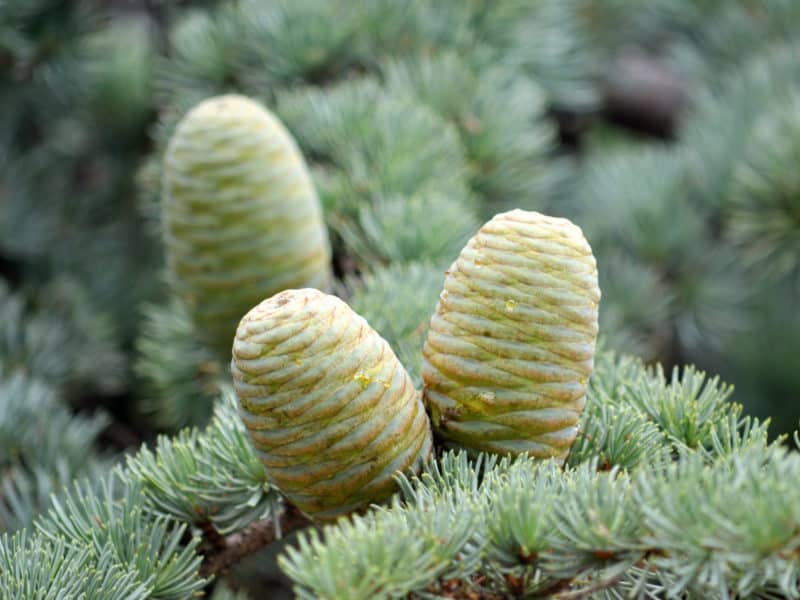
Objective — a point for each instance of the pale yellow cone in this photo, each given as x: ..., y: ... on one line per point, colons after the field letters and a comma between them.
x: 242, y: 220
x: 511, y: 344
x: 330, y: 410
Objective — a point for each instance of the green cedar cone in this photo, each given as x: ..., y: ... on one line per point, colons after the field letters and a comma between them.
x: 330, y: 410
x: 242, y: 220
x: 511, y: 344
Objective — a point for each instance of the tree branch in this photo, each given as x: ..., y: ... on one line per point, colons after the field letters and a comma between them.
x: 250, y: 540
x: 592, y: 589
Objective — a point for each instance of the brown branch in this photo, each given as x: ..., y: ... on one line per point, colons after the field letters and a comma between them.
x: 516, y: 587
x: 250, y: 540
x: 590, y: 590
x: 556, y: 588
x: 211, y: 535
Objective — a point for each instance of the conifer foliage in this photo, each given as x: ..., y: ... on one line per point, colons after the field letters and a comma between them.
x: 425, y: 450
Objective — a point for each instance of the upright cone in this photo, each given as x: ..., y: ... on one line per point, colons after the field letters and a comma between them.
x: 511, y: 344
x: 330, y: 410
x: 242, y: 220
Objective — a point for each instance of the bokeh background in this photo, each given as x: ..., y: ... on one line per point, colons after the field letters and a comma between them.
x: 668, y: 130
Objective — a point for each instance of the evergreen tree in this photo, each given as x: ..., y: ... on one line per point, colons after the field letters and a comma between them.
x: 418, y: 121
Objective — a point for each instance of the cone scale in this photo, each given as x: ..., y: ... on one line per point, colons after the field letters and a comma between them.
x: 241, y: 217
x: 511, y: 344
x: 330, y: 410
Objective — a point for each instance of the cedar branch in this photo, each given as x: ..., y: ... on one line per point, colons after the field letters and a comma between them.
x: 249, y: 540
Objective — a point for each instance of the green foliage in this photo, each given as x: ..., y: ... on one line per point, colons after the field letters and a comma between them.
x: 126, y: 531
x: 629, y: 198
x: 40, y: 49
x: 65, y: 172
x: 531, y: 529
x: 257, y: 47
x: 376, y: 145
x: 761, y: 359
x: 201, y: 59
x: 718, y: 33
x: 637, y: 212
x: 95, y: 541
x: 424, y: 546
x: 637, y: 306
x: 52, y: 348
x: 636, y: 414
x: 112, y: 519
x: 418, y: 118
x: 380, y: 156
x: 54, y: 335
x: 398, y: 301
x: 507, y: 149
x: 301, y: 43
x: 699, y: 41
x: 43, y: 442
x: 381, y: 232
x: 765, y: 199
x: 119, y: 63
x: 179, y: 376
x: 694, y: 237
x: 44, y: 447
x: 717, y: 131
x: 214, y: 478
x: 543, y: 40
x: 720, y: 518
x: 226, y: 50
x: 45, y: 570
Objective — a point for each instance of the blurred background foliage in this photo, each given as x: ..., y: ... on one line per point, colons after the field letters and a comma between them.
x: 669, y: 130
